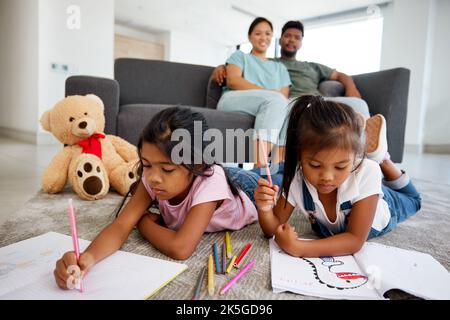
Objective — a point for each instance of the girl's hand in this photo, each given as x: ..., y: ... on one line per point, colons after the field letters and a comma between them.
x: 68, y: 272
x: 265, y: 195
x: 286, y: 238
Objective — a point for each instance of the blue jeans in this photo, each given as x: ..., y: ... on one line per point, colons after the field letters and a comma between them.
x: 244, y: 180
x: 403, y: 201
x: 247, y: 180
x: 269, y: 108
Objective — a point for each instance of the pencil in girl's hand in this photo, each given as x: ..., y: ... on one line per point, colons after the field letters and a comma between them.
x: 266, y: 165
x: 73, y: 230
x: 210, y: 276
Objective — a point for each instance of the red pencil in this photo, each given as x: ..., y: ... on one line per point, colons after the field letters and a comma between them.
x: 242, y: 254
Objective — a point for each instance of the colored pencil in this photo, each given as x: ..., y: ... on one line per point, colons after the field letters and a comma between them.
x: 224, y: 258
x: 216, y: 257
x: 198, y: 288
x: 210, y: 276
x: 266, y: 165
x: 230, y: 266
x: 242, y: 254
x: 237, y: 277
x: 73, y: 230
x: 228, y: 242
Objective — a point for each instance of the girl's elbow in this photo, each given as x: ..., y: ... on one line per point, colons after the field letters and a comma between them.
x: 180, y: 251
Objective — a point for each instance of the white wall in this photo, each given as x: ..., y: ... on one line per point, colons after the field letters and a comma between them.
x: 437, y: 122
x: 407, y: 42
x: 88, y: 50
x: 187, y: 48
x: 34, y: 34
x: 19, y: 65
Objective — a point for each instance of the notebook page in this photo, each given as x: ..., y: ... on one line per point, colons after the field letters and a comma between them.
x: 122, y: 275
x: 411, y: 271
x: 326, y: 277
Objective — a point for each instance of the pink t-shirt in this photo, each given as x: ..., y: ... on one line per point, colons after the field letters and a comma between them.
x: 233, y: 214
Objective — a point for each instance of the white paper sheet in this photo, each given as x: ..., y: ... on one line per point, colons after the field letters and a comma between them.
x: 26, y: 272
x: 411, y: 271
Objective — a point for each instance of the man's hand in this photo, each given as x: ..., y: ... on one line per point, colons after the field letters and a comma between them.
x: 286, y: 238
x: 352, y: 92
x: 219, y: 74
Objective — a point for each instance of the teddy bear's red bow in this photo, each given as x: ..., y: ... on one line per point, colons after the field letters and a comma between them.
x: 92, y: 144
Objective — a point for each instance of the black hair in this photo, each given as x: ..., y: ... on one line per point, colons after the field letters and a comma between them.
x: 159, y: 132
x: 293, y: 25
x: 316, y: 124
x: 258, y: 21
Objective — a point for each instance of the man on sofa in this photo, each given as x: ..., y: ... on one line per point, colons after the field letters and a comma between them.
x: 306, y: 76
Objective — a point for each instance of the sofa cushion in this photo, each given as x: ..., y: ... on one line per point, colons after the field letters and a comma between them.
x: 161, y: 82
x: 332, y: 88
x: 134, y: 117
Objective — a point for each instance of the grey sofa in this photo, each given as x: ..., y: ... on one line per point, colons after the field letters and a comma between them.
x: 142, y: 88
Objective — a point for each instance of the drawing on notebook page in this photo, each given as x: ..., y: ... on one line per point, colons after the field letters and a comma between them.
x: 334, y: 274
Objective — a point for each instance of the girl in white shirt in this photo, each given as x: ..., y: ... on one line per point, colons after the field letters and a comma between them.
x: 346, y: 197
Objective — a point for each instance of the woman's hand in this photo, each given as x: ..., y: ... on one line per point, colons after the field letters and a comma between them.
x: 265, y: 195
x: 286, y: 238
x: 219, y: 74
x: 68, y: 272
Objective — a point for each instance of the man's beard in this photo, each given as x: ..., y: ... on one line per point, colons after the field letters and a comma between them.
x: 288, y: 54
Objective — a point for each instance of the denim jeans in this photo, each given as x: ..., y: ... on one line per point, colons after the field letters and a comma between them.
x: 245, y: 180
x: 269, y: 108
x: 403, y: 201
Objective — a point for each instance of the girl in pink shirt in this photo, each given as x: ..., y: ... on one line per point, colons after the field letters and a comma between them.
x: 193, y: 196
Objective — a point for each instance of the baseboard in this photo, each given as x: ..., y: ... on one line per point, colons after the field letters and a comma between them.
x: 413, y: 148
x: 39, y: 138
x: 20, y: 135
x: 437, y: 148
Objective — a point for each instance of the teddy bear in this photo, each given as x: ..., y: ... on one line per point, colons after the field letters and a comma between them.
x: 90, y: 160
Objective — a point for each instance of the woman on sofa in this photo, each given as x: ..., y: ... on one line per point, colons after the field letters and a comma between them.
x: 259, y: 87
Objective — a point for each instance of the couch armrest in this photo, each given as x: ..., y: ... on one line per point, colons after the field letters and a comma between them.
x: 386, y: 92
x: 107, y: 89
x: 213, y: 93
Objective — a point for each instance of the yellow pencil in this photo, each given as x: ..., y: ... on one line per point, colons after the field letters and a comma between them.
x: 210, y: 276
x: 228, y: 242
x: 230, y: 266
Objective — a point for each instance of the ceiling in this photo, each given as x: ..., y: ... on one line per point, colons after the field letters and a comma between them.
x: 223, y: 21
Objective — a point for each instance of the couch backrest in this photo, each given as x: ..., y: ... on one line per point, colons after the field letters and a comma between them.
x: 161, y: 82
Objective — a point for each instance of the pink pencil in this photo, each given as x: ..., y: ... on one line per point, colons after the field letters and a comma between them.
x: 237, y: 277
x: 266, y: 164
x: 73, y: 229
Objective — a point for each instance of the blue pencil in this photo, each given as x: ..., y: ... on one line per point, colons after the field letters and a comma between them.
x: 216, y: 258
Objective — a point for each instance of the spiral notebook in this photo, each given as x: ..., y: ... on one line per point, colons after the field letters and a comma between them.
x: 26, y: 272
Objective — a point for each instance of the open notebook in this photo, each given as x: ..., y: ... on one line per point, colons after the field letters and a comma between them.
x: 26, y: 272
x: 367, y: 274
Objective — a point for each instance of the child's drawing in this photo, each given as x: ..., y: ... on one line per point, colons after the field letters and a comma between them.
x: 332, y: 275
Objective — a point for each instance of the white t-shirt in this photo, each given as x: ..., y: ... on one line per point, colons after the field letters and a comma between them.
x: 363, y: 182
